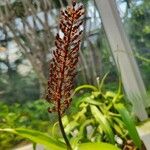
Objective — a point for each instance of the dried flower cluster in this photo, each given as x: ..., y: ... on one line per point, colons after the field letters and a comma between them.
x: 65, y: 58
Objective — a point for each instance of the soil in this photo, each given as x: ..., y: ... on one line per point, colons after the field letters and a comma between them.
x: 129, y: 145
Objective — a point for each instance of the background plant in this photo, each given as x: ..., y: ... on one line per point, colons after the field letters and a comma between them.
x: 101, y: 116
x: 30, y: 115
x: 96, y: 115
x: 37, y: 45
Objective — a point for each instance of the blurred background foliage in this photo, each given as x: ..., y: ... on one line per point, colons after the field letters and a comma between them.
x: 137, y: 26
x: 30, y: 115
x: 27, y: 31
x: 29, y: 42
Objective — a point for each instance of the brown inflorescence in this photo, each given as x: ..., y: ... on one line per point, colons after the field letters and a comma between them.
x: 65, y: 58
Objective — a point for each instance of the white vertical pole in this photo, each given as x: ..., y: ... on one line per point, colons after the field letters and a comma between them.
x: 122, y: 52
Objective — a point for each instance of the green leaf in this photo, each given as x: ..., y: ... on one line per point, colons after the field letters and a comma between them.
x: 110, y: 94
x: 103, y: 122
x: 80, y: 115
x: 119, y: 127
x: 37, y: 137
x: 82, y: 98
x: 81, y: 131
x: 65, y: 120
x: 118, y: 95
x: 71, y: 126
x: 86, y: 86
x: 89, y: 100
x: 97, y: 146
x: 119, y: 130
x: 142, y: 58
x: 100, y: 84
x: 129, y: 123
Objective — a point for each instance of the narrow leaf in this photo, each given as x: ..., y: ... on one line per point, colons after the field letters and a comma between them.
x: 71, y: 126
x: 86, y: 86
x: 37, y: 137
x: 97, y: 146
x: 129, y: 123
x: 103, y: 122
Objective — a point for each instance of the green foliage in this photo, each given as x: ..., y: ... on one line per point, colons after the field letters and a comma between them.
x: 97, y: 146
x: 139, y: 31
x: 129, y: 124
x: 99, y: 118
x: 52, y: 144
x: 103, y: 122
x: 15, y: 87
x: 37, y: 137
x: 31, y: 115
x: 18, y: 88
x: 139, y: 20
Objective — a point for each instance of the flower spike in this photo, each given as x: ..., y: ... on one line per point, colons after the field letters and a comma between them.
x: 65, y: 58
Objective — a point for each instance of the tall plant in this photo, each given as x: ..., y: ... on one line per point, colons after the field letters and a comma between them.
x: 64, y: 62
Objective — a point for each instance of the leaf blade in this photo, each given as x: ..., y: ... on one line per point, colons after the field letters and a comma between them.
x: 103, y: 122
x: 37, y: 137
x: 129, y: 124
x: 97, y: 146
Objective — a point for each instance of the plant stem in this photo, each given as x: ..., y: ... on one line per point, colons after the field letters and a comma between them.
x: 63, y: 132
